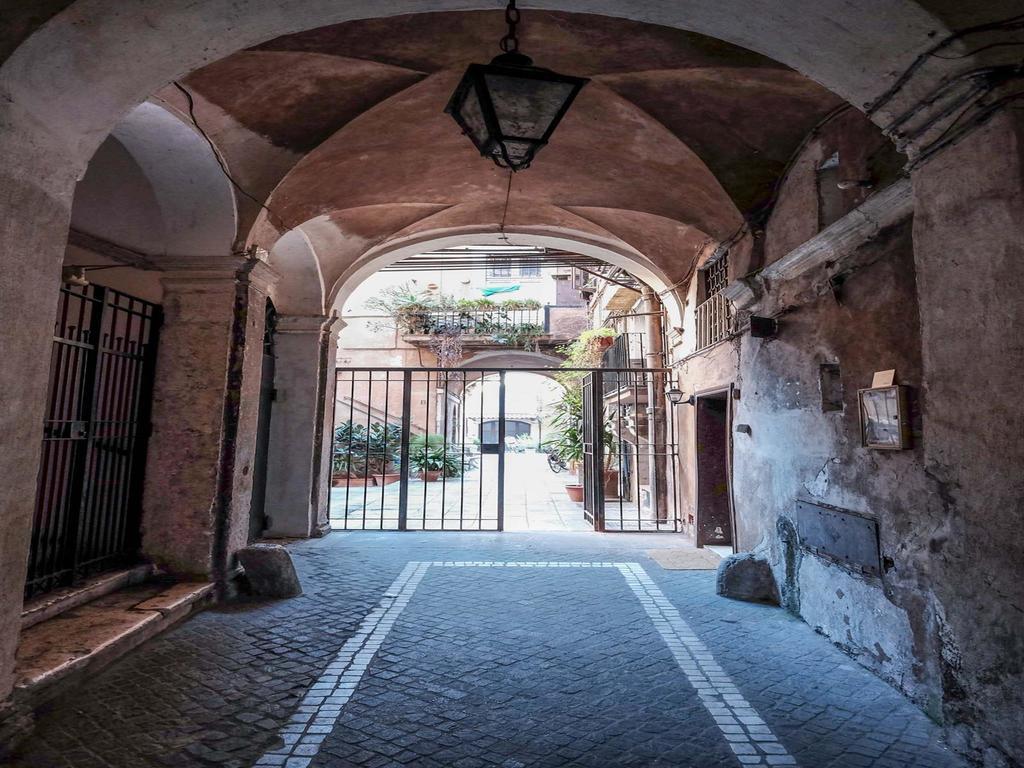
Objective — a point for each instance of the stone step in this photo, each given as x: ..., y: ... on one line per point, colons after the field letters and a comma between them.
x: 51, y: 604
x: 60, y: 651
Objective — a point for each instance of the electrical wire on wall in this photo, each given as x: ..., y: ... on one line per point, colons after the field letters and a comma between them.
x: 1012, y: 23
x: 190, y: 101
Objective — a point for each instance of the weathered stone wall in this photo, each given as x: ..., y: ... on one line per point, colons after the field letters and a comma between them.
x: 937, y: 297
x: 798, y: 451
x: 969, y: 252
x: 301, y: 374
x: 864, y: 154
x: 205, y: 409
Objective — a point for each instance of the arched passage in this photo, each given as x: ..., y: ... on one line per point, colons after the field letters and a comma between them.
x: 609, y: 251
x: 56, y: 115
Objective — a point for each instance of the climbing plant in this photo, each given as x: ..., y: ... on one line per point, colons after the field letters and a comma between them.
x: 447, y: 320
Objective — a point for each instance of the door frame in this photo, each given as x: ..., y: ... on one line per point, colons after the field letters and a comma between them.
x: 729, y: 391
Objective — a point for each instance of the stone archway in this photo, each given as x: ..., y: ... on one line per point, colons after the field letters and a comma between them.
x: 616, y: 253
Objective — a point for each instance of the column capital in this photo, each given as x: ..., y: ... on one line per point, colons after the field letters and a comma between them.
x: 204, y: 273
x: 308, y: 324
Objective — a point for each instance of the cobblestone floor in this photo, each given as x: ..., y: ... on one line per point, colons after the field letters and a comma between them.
x: 382, y: 663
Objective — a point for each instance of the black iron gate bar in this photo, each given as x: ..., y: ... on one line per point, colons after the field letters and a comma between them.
x: 86, y: 515
x: 603, y: 384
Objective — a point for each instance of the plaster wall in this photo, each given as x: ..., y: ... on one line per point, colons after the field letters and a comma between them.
x: 864, y: 155
x: 969, y: 247
x: 936, y: 298
x: 798, y: 451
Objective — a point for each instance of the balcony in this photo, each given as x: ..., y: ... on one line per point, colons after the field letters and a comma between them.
x: 544, y: 327
x: 713, y: 321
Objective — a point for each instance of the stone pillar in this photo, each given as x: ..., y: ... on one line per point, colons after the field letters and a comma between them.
x: 298, y: 462
x: 969, y: 259
x: 205, y: 411
x: 657, y: 415
x: 34, y: 214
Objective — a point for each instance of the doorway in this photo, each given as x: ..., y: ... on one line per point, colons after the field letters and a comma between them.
x: 714, y: 469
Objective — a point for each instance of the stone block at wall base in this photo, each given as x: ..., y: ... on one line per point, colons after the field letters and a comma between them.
x: 745, y: 576
x: 269, y: 571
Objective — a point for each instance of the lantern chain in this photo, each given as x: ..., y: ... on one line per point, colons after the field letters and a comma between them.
x: 510, y: 43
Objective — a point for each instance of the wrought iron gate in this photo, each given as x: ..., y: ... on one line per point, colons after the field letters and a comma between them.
x: 425, y: 449
x: 94, y: 436
x: 630, y: 457
x: 408, y: 454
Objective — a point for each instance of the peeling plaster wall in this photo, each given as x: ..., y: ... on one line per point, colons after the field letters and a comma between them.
x: 864, y: 154
x: 969, y: 248
x: 798, y: 451
x: 938, y: 299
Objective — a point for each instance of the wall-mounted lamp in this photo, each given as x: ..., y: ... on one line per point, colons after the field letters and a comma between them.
x: 675, y: 396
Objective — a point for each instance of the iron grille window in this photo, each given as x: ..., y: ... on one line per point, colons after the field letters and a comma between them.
x: 499, y: 273
x: 529, y: 272
x: 507, y: 272
x: 713, y: 313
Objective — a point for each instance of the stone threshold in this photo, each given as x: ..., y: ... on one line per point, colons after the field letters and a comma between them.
x: 59, y: 651
x: 54, y: 603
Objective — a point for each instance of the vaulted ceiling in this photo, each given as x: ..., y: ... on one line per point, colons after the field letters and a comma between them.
x: 339, y: 132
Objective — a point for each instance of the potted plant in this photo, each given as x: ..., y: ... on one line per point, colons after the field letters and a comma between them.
x: 384, y: 443
x: 348, y: 463
x: 568, y: 421
x: 433, y: 459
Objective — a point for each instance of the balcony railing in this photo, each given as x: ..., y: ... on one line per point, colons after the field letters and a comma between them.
x: 484, y: 322
x: 627, y: 351
x: 713, y: 321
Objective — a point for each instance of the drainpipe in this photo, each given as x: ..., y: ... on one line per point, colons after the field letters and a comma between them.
x: 657, y: 443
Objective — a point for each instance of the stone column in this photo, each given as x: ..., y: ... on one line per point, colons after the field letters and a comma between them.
x: 34, y: 214
x: 657, y: 415
x: 205, y: 411
x: 969, y: 259
x: 298, y: 462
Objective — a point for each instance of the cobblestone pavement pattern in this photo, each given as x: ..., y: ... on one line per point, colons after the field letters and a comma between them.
x: 486, y: 666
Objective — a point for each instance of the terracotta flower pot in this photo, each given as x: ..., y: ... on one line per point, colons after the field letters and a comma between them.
x: 341, y: 481
x: 387, y: 478
x: 575, y: 492
x: 430, y: 475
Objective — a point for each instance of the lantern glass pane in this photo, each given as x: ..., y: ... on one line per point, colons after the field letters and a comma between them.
x: 473, y: 117
x: 525, y: 106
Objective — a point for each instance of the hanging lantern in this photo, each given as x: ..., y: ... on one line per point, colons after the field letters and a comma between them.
x: 509, y: 108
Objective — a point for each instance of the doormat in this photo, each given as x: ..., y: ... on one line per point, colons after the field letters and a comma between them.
x: 685, y: 559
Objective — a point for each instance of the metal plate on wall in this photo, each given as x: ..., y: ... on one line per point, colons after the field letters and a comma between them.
x: 844, y: 537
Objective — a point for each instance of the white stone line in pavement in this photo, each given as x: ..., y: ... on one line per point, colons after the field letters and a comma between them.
x: 750, y: 739
x: 319, y: 710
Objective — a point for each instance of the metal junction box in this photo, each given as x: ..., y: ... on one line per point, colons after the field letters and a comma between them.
x: 841, y: 536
